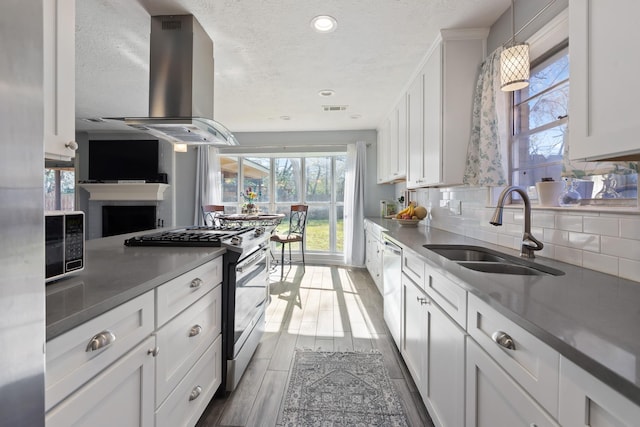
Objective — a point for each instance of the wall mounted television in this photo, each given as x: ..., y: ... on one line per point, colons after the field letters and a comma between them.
x: 122, y: 160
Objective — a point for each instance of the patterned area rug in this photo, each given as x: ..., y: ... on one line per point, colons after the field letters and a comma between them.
x: 341, y: 389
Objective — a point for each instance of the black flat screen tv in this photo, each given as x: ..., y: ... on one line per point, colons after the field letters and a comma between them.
x: 122, y: 160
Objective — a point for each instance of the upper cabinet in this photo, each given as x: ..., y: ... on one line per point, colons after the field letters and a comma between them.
x: 602, y: 107
x: 392, y: 140
x: 59, y: 78
x: 440, y: 104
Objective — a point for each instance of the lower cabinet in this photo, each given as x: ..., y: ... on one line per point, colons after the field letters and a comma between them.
x: 495, y: 399
x: 373, y: 253
x: 585, y: 401
x: 121, y: 395
x: 433, y: 349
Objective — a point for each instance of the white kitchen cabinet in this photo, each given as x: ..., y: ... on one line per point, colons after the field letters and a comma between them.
x: 121, y: 395
x: 382, y: 148
x: 530, y: 362
x: 440, y: 105
x: 586, y: 401
x: 495, y: 399
x: 392, y: 145
x: 59, y: 25
x: 76, y: 356
x: 602, y: 106
x: 433, y: 349
x: 373, y: 253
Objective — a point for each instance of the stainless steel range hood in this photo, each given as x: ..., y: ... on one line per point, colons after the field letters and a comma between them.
x: 181, y: 71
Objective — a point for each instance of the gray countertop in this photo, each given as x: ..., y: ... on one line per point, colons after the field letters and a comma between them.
x: 591, y: 318
x: 114, y: 274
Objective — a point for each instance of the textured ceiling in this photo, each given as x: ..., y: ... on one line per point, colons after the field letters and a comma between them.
x: 269, y: 62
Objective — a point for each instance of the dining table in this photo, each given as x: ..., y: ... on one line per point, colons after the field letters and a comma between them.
x: 259, y: 219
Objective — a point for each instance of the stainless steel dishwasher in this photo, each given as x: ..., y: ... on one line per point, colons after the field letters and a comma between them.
x: 391, y: 279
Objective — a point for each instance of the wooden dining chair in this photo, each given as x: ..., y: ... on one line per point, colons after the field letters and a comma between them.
x: 297, y: 224
x: 210, y: 215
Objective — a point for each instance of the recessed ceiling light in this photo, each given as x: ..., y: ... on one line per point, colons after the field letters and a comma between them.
x: 355, y: 116
x: 285, y: 117
x: 324, y: 23
x: 326, y: 92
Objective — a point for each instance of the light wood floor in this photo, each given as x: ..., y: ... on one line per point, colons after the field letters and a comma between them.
x: 323, y: 308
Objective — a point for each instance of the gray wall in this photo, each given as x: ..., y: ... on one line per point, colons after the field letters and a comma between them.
x: 185, y: 184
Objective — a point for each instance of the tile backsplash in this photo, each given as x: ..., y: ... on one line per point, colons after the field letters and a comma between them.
x: 604, y: 241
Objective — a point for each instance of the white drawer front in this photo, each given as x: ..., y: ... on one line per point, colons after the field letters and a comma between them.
x: 183, y: 340
x: 448, y: 295
x: 413, y: 266
x: 68, y: 363
x: 188, y: 400
x: 533, y: 364
x: 179, y: 293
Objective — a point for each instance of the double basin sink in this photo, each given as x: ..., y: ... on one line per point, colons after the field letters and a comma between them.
x: 489, y: 261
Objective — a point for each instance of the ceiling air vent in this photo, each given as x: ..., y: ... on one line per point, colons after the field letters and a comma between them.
x: 334, y: 107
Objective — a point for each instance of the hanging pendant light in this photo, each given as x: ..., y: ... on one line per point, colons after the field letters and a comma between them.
x: 514, y: 62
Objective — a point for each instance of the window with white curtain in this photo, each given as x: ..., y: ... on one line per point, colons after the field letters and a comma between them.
x: 317, y: 180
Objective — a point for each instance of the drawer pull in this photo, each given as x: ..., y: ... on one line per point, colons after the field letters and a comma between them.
x: 503, y: 339
x: 195, y: 393
x: 154, y: 351
x: 195, y: 330
x: 423, y: 301
x: 101, y: 340
x: 196, y: 283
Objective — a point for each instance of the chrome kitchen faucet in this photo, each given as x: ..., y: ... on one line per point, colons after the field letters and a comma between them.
x: 529, y: 243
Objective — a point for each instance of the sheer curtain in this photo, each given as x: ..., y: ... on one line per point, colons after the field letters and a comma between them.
x: 354, y: 244
x: 488, y: 151
x: 208, y: 180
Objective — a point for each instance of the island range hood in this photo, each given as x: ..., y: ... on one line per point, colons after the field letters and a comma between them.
x: 181, y: 71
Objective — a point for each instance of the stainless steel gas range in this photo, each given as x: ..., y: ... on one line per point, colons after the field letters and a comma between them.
x: 244, y: 291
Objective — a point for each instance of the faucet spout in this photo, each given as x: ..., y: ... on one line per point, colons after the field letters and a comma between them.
x: 529, y: 243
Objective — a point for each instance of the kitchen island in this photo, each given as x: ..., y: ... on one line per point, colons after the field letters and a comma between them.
x: 589, y: 318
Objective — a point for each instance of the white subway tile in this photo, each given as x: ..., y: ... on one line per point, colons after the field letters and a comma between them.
x: 548, y: 251
x: 623, y: 248
x: 604, y: 263
x: 568, y: 255
x: 509, y: 241
x: 629, y: 269
x: 606, y: 226
x: 557, y: 237
x: 569, y: 222
x: 542, y: 219
x: 588, y: 242
x: 630, y: 228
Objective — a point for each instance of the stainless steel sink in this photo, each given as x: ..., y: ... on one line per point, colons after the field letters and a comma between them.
x: 489, y: 261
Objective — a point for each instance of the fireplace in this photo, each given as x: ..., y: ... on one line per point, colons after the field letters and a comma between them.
x: 127, y: 219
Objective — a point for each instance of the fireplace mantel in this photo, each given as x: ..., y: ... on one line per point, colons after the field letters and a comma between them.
x: 125, y: 191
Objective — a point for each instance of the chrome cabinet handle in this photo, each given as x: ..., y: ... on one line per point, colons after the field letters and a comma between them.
x: 423, y: 301
x: 154, y: 351
x: 196, y: 283
x: 503, y: 339
x: 195, y: 330
x: 101, y: 340
x: 195, y: 393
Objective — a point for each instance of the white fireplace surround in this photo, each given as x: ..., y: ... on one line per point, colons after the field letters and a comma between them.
x: 125, y: 191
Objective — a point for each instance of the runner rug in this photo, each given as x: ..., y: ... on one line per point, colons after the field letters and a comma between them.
x: 341, y: 389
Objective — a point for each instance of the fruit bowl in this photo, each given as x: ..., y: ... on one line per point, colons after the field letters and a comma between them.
x: 407, y: 222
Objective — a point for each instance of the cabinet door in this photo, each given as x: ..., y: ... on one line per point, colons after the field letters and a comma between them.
x: 415, y: 325
x: 602, y: 107
x: 585, y: 401
x: 403, y: 137
x: 383, y: 158
x: 432, y: 154
x: 59, y: 77
x: 445, y: 369
x: 122, y: 395
x: 494, y: 399
x: 392, y: 145
x: 415, y: 99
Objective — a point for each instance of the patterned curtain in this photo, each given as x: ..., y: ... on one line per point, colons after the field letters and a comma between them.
x: 488, y: 151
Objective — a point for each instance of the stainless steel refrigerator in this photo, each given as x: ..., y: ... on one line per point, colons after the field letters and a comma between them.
x: 22, y: 289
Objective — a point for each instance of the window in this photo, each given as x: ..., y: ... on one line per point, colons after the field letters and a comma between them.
x: 315, y: 180
x: 59, y: 188
x: 540, y: 134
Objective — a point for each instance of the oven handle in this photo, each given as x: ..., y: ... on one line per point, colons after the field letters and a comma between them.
x: 262, y: 254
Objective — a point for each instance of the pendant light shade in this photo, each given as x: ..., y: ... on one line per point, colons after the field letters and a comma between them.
x: 514, y: 67
x: 514, y: 61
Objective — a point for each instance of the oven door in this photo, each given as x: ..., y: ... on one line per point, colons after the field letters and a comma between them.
x: 252, y: 279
